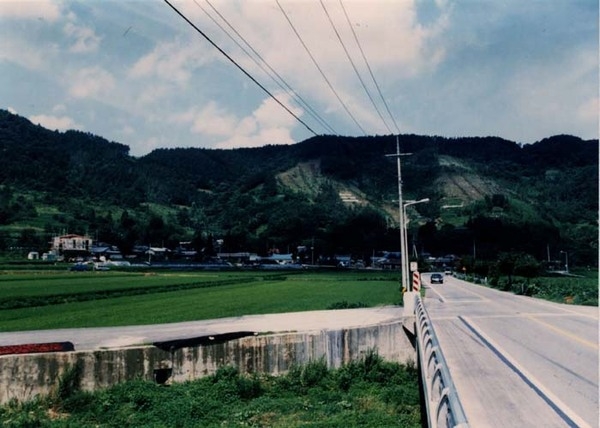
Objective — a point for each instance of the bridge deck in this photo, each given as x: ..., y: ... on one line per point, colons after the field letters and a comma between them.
x: 517, y: 361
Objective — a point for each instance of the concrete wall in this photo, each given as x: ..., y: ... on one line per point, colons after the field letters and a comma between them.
x: 22, y: 377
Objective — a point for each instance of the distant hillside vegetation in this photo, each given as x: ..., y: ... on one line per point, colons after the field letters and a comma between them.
x: 335, y: 194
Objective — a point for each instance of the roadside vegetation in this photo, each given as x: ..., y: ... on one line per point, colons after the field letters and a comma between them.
x: 521, y: 273
x: 367, y: 393
x: 37, y: 301
x: 578, y: 288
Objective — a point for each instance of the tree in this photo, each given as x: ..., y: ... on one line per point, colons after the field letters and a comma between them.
x: 527, y: 266
x: 506, y: 266
x: 31, y: 240
x: 518, y: 263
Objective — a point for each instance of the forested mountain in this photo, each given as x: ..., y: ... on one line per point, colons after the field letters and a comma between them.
x: 336, y: 194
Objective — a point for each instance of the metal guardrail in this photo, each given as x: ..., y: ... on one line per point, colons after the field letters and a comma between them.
x: 441, y: 399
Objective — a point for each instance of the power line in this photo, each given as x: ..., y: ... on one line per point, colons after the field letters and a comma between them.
x: 354, y: 66
x: 280, y: 81
x: 369, y: 68
x: 238, y: 66
x: 319, y: 68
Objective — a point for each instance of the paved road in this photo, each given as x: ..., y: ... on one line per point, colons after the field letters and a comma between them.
x: 517, y: 361
x: 95, y: 338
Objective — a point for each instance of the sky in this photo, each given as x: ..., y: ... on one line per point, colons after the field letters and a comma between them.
x: 135, y: 72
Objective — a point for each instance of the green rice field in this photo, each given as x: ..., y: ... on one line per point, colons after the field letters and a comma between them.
x: 32, y: 300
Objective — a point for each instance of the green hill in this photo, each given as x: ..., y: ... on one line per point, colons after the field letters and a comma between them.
x: 338, y: 194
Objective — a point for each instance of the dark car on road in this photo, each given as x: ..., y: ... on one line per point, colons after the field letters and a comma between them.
x: 436, y: 278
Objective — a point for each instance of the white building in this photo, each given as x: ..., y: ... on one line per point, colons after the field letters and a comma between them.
x: 72, y: 245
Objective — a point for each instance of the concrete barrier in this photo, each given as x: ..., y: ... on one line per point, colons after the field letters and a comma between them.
x: 22, y: 377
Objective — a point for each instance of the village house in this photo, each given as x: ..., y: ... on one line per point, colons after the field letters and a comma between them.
x: 104, y: 252
x: 71, y: 247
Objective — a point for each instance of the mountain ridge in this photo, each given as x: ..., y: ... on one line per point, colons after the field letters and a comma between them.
x: 290, y: 195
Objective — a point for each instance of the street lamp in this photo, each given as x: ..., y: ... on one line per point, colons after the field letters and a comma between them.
x: 420, y: 201
x: 566, y: 260
x: 405, y: 267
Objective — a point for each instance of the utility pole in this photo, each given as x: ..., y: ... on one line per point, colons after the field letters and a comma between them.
x: 566, y: 260
x: 403, y: 256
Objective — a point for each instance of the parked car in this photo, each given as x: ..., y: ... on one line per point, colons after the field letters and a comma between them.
x: 79, y: 267
x: 436, y: 278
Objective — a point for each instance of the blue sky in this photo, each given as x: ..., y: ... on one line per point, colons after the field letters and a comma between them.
x: 135, y: 72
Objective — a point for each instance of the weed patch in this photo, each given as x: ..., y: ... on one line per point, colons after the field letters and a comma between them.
x: 367, y: 393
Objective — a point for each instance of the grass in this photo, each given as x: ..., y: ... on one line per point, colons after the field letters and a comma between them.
x: 365, y: 393
x: 99, y: 300
x: 580, y: 288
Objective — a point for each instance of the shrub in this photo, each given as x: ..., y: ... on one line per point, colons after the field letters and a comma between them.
x: 346, y: 305
x: 68, y: 387
x: 314, y: 373
x: 17, y: 414
x: 249, y: 387
x: 226, y: 374
x: 243, y: 387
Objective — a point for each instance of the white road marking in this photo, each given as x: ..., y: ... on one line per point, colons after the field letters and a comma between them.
x: 442, y: 298
x: 552, y: 399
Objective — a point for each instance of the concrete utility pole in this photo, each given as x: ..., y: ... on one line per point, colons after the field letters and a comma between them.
x: 403, y: 256
x: 566, y: 260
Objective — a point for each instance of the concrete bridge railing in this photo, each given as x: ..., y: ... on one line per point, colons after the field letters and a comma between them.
x: 441, y: 399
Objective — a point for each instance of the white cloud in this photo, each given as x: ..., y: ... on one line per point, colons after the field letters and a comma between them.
x: 84, y: 38
x: 548, y: 103
x: 169, y: 61
x: 152, y: 94
x: 127, y: 130
x: 59, y: 119
x: 213, y: 121
x: 270, y: 113
x: 19, y: 52
x: 30, y: 9
x: 268, y: 124
x: 59, y: 108
x: 147, y: 145
x: 588, y: 111
x: 12, y: 110
x: 62, y: 123
x: 91, y: 82
x: 394, y: 43
x: 264, y: 137
x: 387, y: 31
